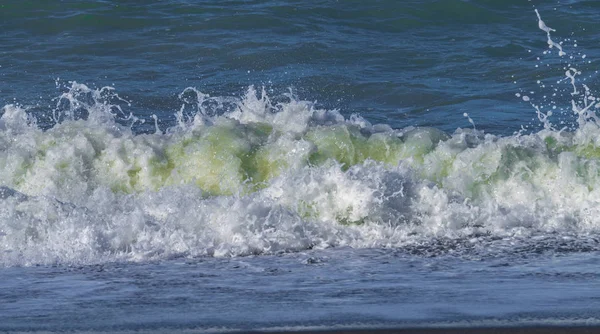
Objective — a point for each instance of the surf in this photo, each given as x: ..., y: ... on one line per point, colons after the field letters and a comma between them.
x: 264, y: 174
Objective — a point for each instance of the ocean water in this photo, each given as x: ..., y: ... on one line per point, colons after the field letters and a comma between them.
x: 204, y: 166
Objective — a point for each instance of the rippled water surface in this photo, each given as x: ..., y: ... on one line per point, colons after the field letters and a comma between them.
x: 240, y: 165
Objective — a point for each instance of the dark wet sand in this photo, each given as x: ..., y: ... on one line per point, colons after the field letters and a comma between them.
x: 469, y: 330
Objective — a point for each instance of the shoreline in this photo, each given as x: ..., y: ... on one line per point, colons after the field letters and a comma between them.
x: 574, y: 329
x: 449, y: 330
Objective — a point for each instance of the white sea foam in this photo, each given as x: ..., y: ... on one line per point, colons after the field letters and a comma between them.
x: 239, y: 176
x: 266, y: 178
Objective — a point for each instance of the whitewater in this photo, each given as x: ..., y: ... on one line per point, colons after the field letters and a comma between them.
x: 248, y: 175
x: 268, y: 210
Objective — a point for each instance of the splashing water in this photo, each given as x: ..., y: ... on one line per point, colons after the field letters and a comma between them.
x: 239, y: 176
x: 547, y: 29
x: 582, y: 101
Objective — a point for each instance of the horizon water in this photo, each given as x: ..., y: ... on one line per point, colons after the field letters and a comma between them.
x: 250, y: 165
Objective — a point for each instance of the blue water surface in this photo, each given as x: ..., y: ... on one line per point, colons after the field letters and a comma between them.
x: 400, y: 63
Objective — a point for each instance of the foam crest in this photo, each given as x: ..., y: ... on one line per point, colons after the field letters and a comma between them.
x: 90, y: 190
x: 269, y: 174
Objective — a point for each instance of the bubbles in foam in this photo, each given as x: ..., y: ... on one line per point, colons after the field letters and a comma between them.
x: 263, y: 174
x: 266, y: 178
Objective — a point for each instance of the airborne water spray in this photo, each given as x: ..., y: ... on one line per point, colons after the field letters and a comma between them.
x: 240, y: 176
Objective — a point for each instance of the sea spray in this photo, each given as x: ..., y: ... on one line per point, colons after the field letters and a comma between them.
x: 252, y: 181
x: 542, y: 25
x: 262, y: 174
